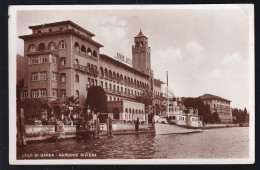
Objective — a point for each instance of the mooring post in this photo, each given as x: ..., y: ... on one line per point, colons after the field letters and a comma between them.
x: 98, y: 125
x: 22, y: 127
x: 108, y: 127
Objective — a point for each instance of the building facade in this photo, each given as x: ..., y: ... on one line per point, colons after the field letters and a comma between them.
x: 61, y: 59
x: 219, y: 105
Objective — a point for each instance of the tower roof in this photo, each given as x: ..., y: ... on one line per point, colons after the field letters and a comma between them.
x: 140, y: 34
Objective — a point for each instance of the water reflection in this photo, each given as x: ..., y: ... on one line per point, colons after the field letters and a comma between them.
x: 214, y: 143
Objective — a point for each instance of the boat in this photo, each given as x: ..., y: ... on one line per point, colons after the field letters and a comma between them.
x: 180, y: 120
x: 177, y: 124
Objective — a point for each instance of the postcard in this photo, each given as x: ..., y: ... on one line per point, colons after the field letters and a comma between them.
x: 131, y: 84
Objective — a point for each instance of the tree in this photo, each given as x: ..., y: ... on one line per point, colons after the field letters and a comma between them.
x: 147, y: 98
x: 68, y: 102
x: 216, y: 117
x: 96, y: 99
x: 203, y: 109
x: 34, y: 108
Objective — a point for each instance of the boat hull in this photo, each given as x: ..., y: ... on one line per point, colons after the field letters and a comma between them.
x: 165, y: 128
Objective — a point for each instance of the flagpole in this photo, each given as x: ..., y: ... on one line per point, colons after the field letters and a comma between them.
x: 167, y: 96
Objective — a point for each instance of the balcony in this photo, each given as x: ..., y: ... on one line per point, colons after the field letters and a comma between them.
x: 85, y: 69
x: 114, y: 91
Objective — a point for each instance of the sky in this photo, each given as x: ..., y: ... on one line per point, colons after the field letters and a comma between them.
x: 204, y: 50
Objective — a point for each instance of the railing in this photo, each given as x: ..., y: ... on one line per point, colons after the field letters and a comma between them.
x: 85, y: 69
x: 114, y: 91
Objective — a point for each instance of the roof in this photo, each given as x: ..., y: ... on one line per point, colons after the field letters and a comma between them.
x: 61, y: 32
x: 210, y: 96
x: 122, y: 64
x: 62, y: 22
x: 140, y: 34
x: 159, y: 81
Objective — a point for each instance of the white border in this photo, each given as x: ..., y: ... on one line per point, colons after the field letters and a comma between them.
x: 12, y: 87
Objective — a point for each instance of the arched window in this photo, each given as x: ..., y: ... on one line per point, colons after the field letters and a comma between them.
x: 126, y: 110
x: 121, y: 78
x: 77, y: 78
x: 76, y: 61
x: 141, y: 44
x: 62, y: 61
x: 32, y: 48
x: 117, y: 77
x: 83, y: 49
x: 134, y: 82
x: 125, y: 80
x: 77, y: 94
x: 137, y: 44
x: 131, y: 82
x: 128, y: 80
x: 52, y: 46
x: 114, y: 75
x: 89, y: 52
x: 137, y: 84
x: 94, y: 53
x: 41, y: 47
x: 110, y: 74
x: 101, y: 72
x: 106, y: 73
x: 76, y: 46
x: 62, y: 44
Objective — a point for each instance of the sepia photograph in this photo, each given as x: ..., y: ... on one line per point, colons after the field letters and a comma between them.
x: 131, y: 84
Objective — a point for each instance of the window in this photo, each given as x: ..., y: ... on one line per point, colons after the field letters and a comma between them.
x: 83, y: 49
x: 54, y: 76
x: 44, y: 58
x: 63, y: 77
x: 110, y: 98
x: 25, y: 94
x: 35, y: 93
x: 50, y: 30
x: 106, y: 85
x: 63, y: 61
x: 53, y: 59
x: 39, y: 31
x: 121, y: 89
x: 52, y: 46
x: 61, y: 28
x: 43, y: 92
x: 101, y: 84
x: 92, y: 81
x: 94, y: 54
x: 34, y: 60
x: 88, y: 80
x: 62, y: 93
x: 77, y: 78
x: 54, y: 92
x: 41, y: 47
x: 89, y: 52
x: 62, y: 44
x: 32, y: 48
x: 110, y: 86
x: 76, y: 61
x: 43, y: 75
x: 35, y: 76
x: 95, y: 82
x: 77, y: 93
x: 76, y: 46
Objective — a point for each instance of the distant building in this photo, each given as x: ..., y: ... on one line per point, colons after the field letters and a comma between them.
x: 61, y: 59
x: 219, y: 105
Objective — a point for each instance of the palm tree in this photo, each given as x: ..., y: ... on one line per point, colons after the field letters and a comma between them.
x: 70, y: 104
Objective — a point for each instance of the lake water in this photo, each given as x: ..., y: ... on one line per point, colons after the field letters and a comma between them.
x: 212, y: 143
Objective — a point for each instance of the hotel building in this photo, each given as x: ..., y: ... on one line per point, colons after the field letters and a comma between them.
x: 61, y: 59
x: 219, y: 105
